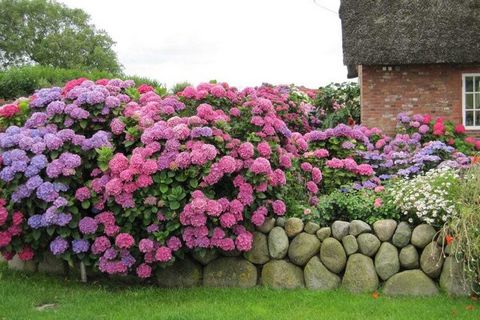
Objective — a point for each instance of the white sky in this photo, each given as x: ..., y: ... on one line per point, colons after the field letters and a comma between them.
x: 243, y: 42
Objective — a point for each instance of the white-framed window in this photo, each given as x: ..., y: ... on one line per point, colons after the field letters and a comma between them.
x: 471, y: 100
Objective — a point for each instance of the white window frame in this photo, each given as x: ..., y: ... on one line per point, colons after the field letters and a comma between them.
x: 464, y: 113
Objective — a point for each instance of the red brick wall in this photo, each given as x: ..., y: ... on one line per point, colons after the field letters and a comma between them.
x: 388, y: 90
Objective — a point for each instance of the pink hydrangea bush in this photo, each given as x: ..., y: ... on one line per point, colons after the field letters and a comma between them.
x: 128, y: 179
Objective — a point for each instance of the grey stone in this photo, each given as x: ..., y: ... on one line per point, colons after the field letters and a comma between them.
x: 422, y: 235
x: 259, y: 252
x: 17, y: 264
x: 230, y: 272
x: 431, y: 260
x: 453, y: 279
x: 302, y: 248
x: 205, y: 256
x: 358, y: 227
x: 324, y: 233
x: 409, y: 257
x: 311, y: 227
x: 333, y: 255
x: 401, y: 237
x: 280, y: 222
x: 318, y: 277
x: 360, y: 275
x: 368, y: 244
x: 386, y: 261
x: 293, y: 226
x: 267, y: 225
x: 277, y: 243
x: 340, y: 229
x: 384, y: 229
x: 410, y: 283
x: 51, y: 265
x: 183, y: 273
x: 280, y: 274
x: 350, y: 244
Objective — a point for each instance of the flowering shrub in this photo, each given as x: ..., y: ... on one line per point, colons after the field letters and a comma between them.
x: 127, y: 179
x: 429, y: 129
x: 463, y: 230
x: 427, y: 197
x: 336, y: 104
x: 351, y: 204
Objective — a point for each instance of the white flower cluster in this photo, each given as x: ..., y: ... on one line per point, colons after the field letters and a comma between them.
x: 427, y: 197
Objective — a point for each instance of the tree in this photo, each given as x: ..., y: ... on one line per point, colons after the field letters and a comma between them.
x: 49, y: 33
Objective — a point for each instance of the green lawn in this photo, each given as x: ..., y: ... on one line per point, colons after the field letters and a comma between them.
x: 22, y: 297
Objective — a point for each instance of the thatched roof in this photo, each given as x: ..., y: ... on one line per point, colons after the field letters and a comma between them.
x: 395, y: 32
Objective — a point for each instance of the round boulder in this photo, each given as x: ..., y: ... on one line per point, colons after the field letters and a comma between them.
x: 368, y: 244
x: 280, y: 222
x: 340, y: 229
x: 350, y: 244
x: 409, y: 257
x: 230, y: 272
x: 303, y: 247
x: 410, y: 283
x: 401, y: 237
x: 324, y: 233
x: 453, y: 279
x: 384, y: 229
x: 422, y: 235
x: 357, y: 227
x: 259, y: 252
x: 280, y: 274
x: 333, y: 255
x: 431, y: 260
x: 277, y: 243
x: 311, y: 227
x: 267, y: 225
x: 184, y: 273
x: 360, y: 275
x: 293, y: 226
x: 386, y: 261
x: 318, y: 277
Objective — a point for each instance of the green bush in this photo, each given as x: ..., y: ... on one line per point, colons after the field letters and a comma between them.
x: 463, y: 231
x: 23, y: 81
x: 350, y: 204
x: 338, y: 103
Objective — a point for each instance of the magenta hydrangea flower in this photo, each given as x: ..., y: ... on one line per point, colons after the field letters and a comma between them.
x: 279, y: 207
x: 124, y: 241
x: 82, y: 194
x: 261, y: 166
x: 163, y: 254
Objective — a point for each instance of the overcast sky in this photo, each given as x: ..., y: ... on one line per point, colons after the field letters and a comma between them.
x: 243, y: 42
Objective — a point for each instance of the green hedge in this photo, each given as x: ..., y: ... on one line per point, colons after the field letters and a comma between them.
x: 23, y: 81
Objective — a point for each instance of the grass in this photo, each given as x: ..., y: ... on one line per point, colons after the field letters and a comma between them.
x: 27, y: 296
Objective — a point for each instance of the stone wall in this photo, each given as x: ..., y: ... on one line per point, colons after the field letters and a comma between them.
x: 387, y: 91
x: 354, y: 255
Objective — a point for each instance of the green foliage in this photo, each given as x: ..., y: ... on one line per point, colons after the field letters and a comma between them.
x: 338, y: 103
x: 465, y: 225
x: 351, y: 204
x: 49, y: 33
x: 180, y: 86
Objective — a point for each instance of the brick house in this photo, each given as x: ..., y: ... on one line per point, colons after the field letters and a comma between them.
x: 415, y: 56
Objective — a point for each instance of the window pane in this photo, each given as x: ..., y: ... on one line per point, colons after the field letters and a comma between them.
x: 477, y: 118
x: 477, y: 101
x: 469, y: 118
x: 469, y: 84
x: 477, y: 84
x: 469, y: 101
